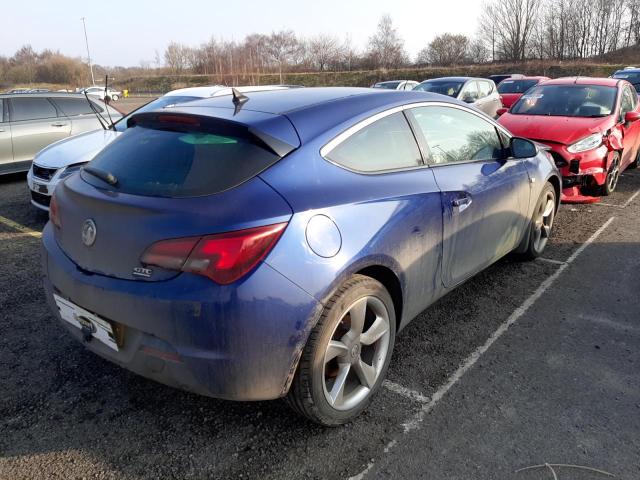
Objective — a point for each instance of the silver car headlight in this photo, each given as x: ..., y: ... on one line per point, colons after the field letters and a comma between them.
x: 587, y: 143
x: 70, y: 170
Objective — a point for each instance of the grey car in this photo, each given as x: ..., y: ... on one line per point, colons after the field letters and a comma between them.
x: 31, y: 121
x: 480, y: 92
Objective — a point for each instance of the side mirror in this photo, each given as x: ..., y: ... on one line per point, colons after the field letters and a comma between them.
x: 501, y: 111
x: 631, y: 117
x: 522, y: 148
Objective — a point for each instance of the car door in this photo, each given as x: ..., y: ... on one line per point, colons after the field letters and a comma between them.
x: 631, y: 130
x: 35, y: 123
x: 80, y: 113
x: 485, y: 196
x: 6, y: 147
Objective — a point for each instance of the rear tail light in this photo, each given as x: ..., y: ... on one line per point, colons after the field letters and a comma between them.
x: 224, y: 257
x: 54, y: 213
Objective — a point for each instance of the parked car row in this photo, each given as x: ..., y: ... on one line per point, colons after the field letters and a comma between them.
x: 262, y: 243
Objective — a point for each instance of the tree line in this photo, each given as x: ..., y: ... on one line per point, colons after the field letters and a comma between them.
x: 508, y: 30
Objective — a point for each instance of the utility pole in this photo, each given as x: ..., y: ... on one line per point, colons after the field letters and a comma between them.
x: 86, y: 41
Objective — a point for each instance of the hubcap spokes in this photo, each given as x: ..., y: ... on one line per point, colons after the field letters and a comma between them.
x: 544, y: 222
x: 614, y: 175
x: 356, y: 353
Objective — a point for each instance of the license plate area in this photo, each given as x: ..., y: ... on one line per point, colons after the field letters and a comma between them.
x: 92, y: 325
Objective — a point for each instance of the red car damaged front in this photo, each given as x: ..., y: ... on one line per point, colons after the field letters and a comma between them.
x: 591, y: 129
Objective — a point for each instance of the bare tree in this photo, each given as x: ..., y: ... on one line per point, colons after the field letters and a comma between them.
x: 386, y: 48
x: 324, y: 50
x: 448, y: 49
x: 176, y: 57
x: 512, y: 23
x: 281, y: 47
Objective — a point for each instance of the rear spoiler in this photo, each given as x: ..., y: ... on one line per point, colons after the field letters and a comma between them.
x: 274, y: 132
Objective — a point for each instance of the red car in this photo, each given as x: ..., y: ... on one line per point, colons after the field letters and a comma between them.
x: 590, y: 125
x: 511, y: 89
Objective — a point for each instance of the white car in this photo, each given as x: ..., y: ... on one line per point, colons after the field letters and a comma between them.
x: 396, y: 85
x: 65, y: 157
x: 99, y: 92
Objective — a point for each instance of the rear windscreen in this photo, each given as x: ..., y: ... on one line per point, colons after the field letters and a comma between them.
x: 168, y: 163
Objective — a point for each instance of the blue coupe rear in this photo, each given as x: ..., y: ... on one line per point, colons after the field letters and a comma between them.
x: 270, y: 246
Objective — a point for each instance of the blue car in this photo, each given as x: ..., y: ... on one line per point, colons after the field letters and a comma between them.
x: 251, y: 248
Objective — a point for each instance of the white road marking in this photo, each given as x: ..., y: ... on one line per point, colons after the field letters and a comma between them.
x: 602, y: 204
x: 415, y: 421
x: 631, y: 199
x: 21, y: 228
x: 405, y: 392
x: 551, y: 260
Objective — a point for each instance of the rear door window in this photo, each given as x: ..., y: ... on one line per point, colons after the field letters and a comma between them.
x: 386, y: 144
x: 181, y: 163
x: 31, y: 109
x: 75, y: 106
x: 485, y: 89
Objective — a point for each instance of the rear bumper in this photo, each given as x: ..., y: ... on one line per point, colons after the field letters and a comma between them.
x: 238, y: 342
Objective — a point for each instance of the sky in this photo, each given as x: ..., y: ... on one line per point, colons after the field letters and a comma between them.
x: 126, y: 33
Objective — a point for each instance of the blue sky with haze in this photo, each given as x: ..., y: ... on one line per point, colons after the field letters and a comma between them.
x: 124, y: 33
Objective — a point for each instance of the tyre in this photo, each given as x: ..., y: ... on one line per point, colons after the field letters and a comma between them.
x: 347, y: 355
x: 115, y: 98
x: 613, y: 175
x: 636, y: 162
x: 541, y: 224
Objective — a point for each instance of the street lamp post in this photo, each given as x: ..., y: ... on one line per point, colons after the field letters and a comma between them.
x: 86, y: 41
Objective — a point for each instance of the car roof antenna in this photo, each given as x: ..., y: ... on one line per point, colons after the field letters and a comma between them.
x: 106, y: 80
x: 103, y: 122
x: 239, y: 99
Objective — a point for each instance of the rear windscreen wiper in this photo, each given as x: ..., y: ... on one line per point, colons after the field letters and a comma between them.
x: 108, y: 177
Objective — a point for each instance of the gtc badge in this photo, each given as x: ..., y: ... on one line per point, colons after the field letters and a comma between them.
x: 142, y: 272
x: 89, y: 232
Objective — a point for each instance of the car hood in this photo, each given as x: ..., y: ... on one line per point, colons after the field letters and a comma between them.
x: 76, y: 149
x: 564, y: 130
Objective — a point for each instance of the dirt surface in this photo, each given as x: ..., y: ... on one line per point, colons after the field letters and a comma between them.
x: 65, y: 413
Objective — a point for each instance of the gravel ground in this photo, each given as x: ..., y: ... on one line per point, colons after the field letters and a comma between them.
x: 66, y: 413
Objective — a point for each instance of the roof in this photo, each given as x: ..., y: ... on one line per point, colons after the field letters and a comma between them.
x: 605, y: 82
x: 310, y: 110
x: 454, y: 79
x: 217, y: 90
x: 43, y: 94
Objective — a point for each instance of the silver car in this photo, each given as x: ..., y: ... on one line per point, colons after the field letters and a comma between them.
x: 31, y: 121
x: 396, y: 85
x: 480, y: 92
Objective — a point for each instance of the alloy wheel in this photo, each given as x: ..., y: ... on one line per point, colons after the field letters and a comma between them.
x: 614, y: 175
x: 544, y: 221
x: 355, y: 356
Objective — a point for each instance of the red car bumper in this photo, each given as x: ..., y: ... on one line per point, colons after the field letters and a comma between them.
x: 581, y: 172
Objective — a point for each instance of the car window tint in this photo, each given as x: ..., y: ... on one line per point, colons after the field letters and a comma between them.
x: 470, y: 92
x: 31, y: 109
x: 75, y: 106
x: 168, y: 163
x: 386, y: 144
x: 454, y: 135
x: 628, y: 100
x: 485, y: 89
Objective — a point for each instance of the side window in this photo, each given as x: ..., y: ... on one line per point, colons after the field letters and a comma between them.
x: 73, y: 106
x: 1, y: 110
x: 454, y: 135
x: 470, y: 92
x: 31, y: 109
x: 485, y: 89
x: 386, y: 144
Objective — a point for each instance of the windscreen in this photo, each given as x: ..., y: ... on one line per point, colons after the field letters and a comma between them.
x: 450, y: 88
x: 180, y: 162
x: 567, y: 101
x: 121, y: 125
x: 387, y: 85
x: 516, y: 86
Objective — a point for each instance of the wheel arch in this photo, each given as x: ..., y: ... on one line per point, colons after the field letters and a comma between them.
x: 391, y: 282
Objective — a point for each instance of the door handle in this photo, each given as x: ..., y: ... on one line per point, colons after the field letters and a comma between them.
x: 59, y: 124
x: 462, y: 203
